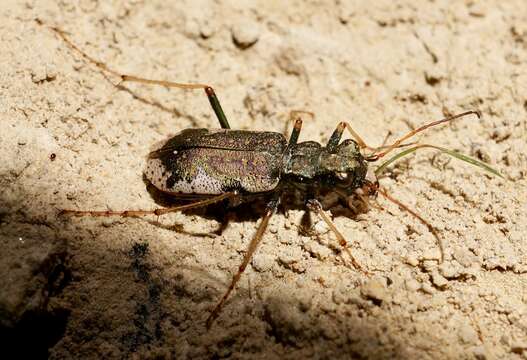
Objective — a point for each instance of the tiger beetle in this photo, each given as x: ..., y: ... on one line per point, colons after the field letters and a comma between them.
x: 226, y: 164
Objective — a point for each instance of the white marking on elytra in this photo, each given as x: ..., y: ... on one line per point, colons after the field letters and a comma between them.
x: 202, y: 183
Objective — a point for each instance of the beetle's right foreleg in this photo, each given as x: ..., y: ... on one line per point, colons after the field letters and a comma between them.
x: 209, y: 91
x: 158, y: 212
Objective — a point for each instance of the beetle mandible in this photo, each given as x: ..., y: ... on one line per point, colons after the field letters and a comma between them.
x: 225, y: 164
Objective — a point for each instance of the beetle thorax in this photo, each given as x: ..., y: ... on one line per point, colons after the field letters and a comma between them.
x: 343, y: 166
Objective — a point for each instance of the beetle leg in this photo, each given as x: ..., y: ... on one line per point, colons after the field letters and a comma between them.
x: 159, y: 211
x: 270, y: 209
x: 293, y: 139
x: 209, y: 91
x: 294, y: 115
x: 337, y: 135
x: 315, y: 206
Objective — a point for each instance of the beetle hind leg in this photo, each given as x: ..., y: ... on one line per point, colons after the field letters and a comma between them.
x: 158, y: 211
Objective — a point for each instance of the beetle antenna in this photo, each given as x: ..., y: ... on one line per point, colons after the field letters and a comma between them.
x: 377, y: 156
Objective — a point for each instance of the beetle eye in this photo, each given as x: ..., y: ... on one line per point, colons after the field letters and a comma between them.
x: 342, y: 176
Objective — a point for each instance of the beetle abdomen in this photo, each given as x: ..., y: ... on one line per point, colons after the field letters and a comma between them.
x: 226, y: 161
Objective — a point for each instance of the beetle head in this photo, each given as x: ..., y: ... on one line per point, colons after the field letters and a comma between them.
x: 345, y: 166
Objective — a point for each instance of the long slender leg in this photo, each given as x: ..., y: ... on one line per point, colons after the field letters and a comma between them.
x: 209, y: 91
x: 271, y: 208
x: 159, y: 211
x: 315, y: 206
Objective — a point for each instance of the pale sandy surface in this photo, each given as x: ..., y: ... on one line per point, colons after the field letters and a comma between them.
x: 119, y: 288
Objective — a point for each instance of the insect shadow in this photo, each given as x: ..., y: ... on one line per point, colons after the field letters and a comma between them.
x: 246, y: 168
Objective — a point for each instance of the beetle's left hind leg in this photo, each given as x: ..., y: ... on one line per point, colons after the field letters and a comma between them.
x: 270, y: 209
x: 209, y: 91
x: 315, y: 206
x: 158, y: 212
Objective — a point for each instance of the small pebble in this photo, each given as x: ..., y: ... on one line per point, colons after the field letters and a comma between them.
x: 479, y: 352
x: 374, y: 290
x: 468, y: 335
x: 412, y: 260
x: 412, y: 285
x: 427, y: 288
x: 245, y: 34
x: 262, y: 262
x: 42, y: 72
x: 448, y: 270
x: 439, y: 280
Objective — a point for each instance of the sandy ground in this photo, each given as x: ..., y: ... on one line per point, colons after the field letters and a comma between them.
x: 138, y: 288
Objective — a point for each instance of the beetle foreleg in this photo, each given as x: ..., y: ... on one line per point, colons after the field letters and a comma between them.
x: 159, y: 211
x: 315, y: 206
x: 271, y: 208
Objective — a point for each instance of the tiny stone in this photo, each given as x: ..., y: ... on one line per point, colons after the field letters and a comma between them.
x: 479, y: 352
x: 427, y: 288
x: 245, y: 34
x: 300, y: 282
x: 317, y: 250
x: 374, y: 290
x: 207, y: 30
x: 468, y: 335
x: 429, y: 265
x: 447, y: 270
x: 504, y: 339
x: 412, y: 285
x: 464, y: 256
x: 412, y: 260
x: 41, y: 73
x: 439, y: 280
x: 432, y: 254
x: 262, y: 262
